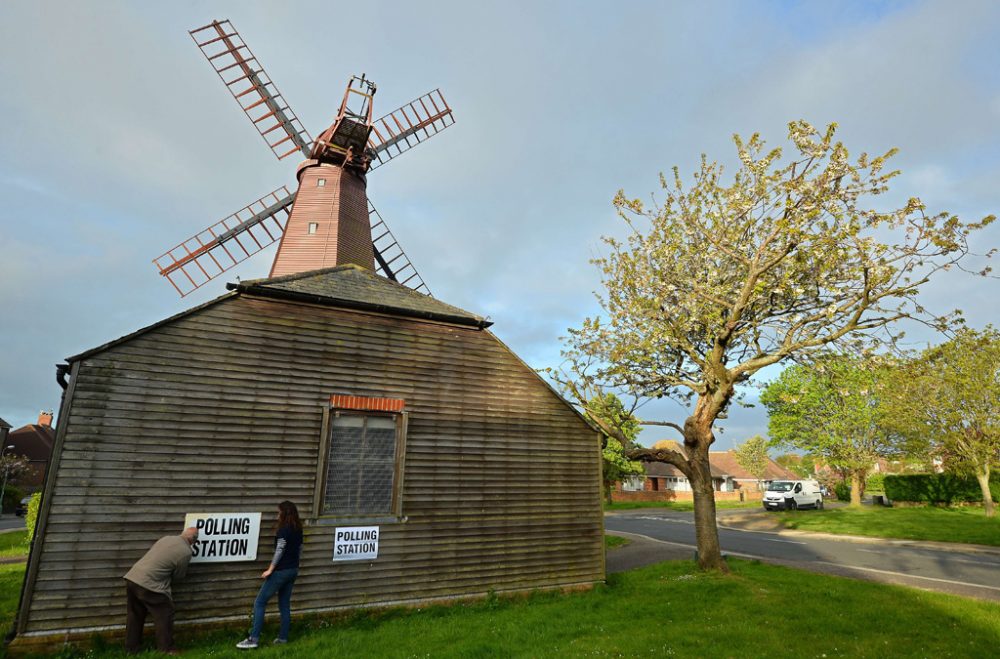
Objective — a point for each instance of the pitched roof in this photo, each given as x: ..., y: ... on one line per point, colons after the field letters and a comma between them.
x: 345, y: 286
x: 354, y: 287
x: 4, y: 424
x: 722, y: 463
x: 33, y: 441
x: 666, y: 469
x: 727, y: 461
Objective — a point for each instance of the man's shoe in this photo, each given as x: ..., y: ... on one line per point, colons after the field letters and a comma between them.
x: 247, y: 644
x: 280, y: 641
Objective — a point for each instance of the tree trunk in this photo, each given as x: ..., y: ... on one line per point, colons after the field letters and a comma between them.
x: 608, y: 487
x: 706, y: 531
x: 855, y: 488
x: 984, y: 484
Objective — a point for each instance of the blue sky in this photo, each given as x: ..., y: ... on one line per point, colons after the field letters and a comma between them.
x: 117, y: 141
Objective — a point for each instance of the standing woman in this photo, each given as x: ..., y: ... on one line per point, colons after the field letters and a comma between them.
x: 280, y: 576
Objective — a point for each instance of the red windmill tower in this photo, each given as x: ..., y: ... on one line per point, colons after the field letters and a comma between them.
x: 329, y: 220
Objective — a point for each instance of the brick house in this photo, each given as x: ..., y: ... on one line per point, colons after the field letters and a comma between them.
x: 743, y: 479
x: 34, y: 442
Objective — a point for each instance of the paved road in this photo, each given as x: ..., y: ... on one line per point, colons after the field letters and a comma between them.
x: 960, y: 572
x: 11, y: 521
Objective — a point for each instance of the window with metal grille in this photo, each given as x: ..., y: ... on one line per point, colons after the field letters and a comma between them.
x: 361, y: 465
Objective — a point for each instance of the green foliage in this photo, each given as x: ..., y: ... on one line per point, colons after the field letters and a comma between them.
x: 948, y: 404
x: 875, y: 483
x: 31, y: 518
x: 12, y: 496
x: 752, y: 456
x: 608, y: 412
x: 801, y: 466
x: 937, y: 488
x: 842, y: 490
x: 833, y: 407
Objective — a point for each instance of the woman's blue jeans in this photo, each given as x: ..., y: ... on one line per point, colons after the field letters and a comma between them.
x: 280, y: 582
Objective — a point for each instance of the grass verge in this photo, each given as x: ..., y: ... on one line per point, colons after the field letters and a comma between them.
x: 668, y: 609
x: 678, y: 505
x: 14, y: 544
x: 965, y: 524
x: 612, y: 541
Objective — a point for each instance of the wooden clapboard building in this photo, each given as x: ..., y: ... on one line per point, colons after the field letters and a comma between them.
x: 361, y: 400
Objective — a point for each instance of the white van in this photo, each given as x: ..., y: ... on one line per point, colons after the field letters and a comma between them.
x: 789, y: 495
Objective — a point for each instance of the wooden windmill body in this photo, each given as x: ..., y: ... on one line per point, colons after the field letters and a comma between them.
x: 329, y: 219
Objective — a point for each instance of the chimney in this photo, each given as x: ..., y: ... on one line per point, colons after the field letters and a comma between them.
x: 45, y: 418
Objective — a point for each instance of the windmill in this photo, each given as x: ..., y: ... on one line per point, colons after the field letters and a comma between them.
x: 329, y: 220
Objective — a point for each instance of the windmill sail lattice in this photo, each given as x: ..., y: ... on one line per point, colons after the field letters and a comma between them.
x: 252, y: 88
x: 391, y: 261
x: 208, y: 254
x: 407, y: 126
x: 270, y: 219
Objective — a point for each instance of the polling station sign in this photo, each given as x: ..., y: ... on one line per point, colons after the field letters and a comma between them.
x: 224, y: 537
x: 355, y: 543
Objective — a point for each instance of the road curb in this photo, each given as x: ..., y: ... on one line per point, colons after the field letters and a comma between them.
x: 725, y: 521
x: 860, y: 539
x: 898, y: 542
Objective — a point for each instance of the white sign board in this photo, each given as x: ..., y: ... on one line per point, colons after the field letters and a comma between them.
x: 355, y: 543
x: 224, y: 537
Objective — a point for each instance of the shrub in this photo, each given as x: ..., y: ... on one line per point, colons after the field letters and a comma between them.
x: 843, y: 491
x: 875, y: 482
x: 11, y: 497
x: 937, y: 488
x: 31, y: 518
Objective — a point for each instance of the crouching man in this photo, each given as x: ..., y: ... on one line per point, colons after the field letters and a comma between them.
x: 147, y: 590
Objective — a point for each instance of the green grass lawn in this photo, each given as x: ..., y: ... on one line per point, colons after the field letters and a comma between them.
x: 966, y: 524
x: 612, y: 541
x: 667, y: 609
x: 678, y: 505
x: 13, y: 544
x: 11, y: 576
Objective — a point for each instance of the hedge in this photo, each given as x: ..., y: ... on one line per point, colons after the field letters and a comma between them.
x: 938, y: 488
x: 31, y: 517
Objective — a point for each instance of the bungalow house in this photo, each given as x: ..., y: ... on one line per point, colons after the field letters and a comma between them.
x: 661, y: 476
x: 743, y: 480
x: 662, y: 481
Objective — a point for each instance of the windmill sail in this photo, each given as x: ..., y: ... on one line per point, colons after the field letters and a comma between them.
x: 208, y: 254
x: 407, y: 126
x: 328, y: 221
x: 390, y: 259
x: 252, y: 88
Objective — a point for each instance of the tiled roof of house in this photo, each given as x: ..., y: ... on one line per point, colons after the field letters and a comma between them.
x: 352, y: 286
x: 32, y: 441
x: 661, y: 469
x: 726, y: 460
x: 665, y: 469
x: 723, y: 463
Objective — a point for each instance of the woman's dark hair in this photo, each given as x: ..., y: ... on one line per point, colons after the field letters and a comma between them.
x: 288, y: 516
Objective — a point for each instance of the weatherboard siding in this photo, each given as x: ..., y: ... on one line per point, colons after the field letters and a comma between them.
x: 221, y: 410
